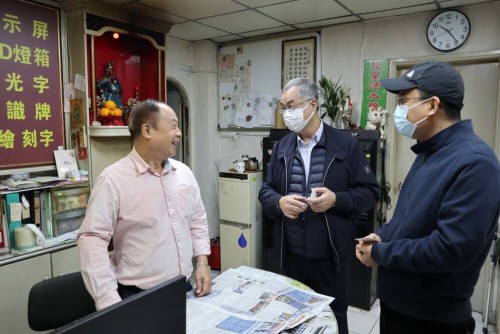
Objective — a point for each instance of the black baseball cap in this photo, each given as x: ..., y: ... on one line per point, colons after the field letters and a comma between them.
x: 435, y: 78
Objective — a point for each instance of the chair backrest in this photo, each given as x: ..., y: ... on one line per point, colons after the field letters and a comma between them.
x: 58, y: 301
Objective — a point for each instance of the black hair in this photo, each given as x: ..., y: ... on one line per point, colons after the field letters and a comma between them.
x: 449, y: 109
x: 452, y: 112
x: 145, y: 112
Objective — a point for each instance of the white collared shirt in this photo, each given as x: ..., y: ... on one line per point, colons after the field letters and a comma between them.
x: 306, y: 149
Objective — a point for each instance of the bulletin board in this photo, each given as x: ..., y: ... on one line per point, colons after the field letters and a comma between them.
x: 31, y: 117
x: 249, y: 83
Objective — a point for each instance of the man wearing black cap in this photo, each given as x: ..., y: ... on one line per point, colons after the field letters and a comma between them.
x: 431, y: 253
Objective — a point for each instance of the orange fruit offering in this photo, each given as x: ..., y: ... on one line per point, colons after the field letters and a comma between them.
x: 110, y: 104
x: 104, y: 112
x: 116, y: 112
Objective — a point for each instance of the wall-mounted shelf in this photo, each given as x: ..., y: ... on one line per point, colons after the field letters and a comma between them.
x: 109, y: 131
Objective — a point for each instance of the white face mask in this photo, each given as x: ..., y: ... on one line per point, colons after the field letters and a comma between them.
x: 294, y: 118
x: 404, y: 126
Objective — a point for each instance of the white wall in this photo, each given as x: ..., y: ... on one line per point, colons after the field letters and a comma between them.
x: 343, y: 51
x: 346, y: 47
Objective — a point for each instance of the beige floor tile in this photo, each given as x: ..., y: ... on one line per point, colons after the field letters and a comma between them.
x: 367, y: 322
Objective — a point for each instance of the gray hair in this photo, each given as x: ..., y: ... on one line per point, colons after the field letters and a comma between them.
x: 307, y: 88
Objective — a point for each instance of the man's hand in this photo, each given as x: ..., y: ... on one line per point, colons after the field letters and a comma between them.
x: 203, y: 281
x: 292, y: 205
x: 364, y: 250
x: 324, y: 200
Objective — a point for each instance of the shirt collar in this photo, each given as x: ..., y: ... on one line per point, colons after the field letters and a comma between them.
x: 443, y: 138
x: 143, y: 167
x: 315, y: 138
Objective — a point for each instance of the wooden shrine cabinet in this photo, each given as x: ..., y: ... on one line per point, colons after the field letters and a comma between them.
x: 138, y: 63
x: 136, y: 55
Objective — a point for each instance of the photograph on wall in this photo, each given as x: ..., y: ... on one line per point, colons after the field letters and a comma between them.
x: 298, y: 59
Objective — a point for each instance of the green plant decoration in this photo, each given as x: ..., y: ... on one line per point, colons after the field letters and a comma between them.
x: 334, y: 96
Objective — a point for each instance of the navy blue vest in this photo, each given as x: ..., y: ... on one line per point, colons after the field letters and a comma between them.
x: 307, y: 235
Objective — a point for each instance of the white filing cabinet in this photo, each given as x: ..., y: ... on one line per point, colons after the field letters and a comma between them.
x: 240, y: 219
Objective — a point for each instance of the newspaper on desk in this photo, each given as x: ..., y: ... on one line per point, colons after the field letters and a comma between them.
x: 248, y: 300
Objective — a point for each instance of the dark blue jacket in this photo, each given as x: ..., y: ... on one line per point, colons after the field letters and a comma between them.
x: 346, y: 172
x: 436, y: 243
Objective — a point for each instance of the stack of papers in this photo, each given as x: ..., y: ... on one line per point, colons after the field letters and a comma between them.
x: 248, y: 300
x: 20, y: 184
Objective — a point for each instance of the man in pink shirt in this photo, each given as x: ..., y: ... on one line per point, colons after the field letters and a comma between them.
x: 150, y: 205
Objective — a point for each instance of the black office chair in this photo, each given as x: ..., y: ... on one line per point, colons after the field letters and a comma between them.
x: 58, y: 301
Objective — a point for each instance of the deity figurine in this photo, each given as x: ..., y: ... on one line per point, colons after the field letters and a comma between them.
x: 109, y: 87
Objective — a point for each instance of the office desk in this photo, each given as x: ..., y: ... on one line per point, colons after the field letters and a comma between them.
x: 249, y: 300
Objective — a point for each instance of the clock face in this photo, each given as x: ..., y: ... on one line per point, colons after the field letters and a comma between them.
x: 448, y: 30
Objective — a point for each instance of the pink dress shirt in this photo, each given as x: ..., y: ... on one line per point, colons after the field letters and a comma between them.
x: 158, y: 223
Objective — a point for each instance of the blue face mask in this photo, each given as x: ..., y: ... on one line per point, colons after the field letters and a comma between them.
x: 404, y: 126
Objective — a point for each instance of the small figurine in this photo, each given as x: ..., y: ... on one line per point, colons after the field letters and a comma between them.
x: 131, y: 103
x: 109, y: 87
x: 376, y: 120
x: 347, y: 113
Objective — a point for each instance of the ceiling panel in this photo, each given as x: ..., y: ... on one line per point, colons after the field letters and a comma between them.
x: 227, y: 38
x: 364, y: 6
x: 153, y: 12
x: 402, y: 11
x: 241, y: 21
x: 266, y: 31
x: 194, y: 9
x: 302, y: 11
x: 457, y: 3
x: 114, y: 2
x: 329, y: 22
x: 193, y: 31
x: 260, y: 3
x: 226, y: 20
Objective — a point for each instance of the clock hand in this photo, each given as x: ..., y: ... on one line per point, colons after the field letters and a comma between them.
x: 449, y: 32
x: 442, y: 33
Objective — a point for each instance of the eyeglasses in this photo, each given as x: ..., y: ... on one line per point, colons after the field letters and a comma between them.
x: 285, y: 108
x: 402, y: 101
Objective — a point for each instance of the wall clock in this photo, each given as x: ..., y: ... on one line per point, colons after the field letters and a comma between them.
x: 448, y: 30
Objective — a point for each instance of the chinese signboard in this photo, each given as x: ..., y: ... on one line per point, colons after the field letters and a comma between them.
x: 31, y: 119
x: 374, y: 95
x: 298, y: 59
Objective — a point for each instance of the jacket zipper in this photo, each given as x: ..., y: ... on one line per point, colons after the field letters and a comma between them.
x: 283, y: 219
x: 326, y: 218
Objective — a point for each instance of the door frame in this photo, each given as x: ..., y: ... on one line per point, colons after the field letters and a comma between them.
x: 184, y: 119
x: 395, y: 64
x: 461, y: 59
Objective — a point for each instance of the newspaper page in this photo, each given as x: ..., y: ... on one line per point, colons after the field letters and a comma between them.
x: 248, y: 300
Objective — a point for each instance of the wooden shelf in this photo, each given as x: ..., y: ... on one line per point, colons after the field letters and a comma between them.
x: 12, y: 257
x: 109, y: 131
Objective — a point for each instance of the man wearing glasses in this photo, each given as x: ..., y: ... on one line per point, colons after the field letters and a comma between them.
x: 318, y: 179
x: 431, y: 252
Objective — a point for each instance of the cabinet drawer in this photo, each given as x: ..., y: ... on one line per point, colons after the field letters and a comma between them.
x: 68, y: 221
x: 69, y: 199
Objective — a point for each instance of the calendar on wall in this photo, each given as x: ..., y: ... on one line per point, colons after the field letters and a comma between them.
x: 298, y: 59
